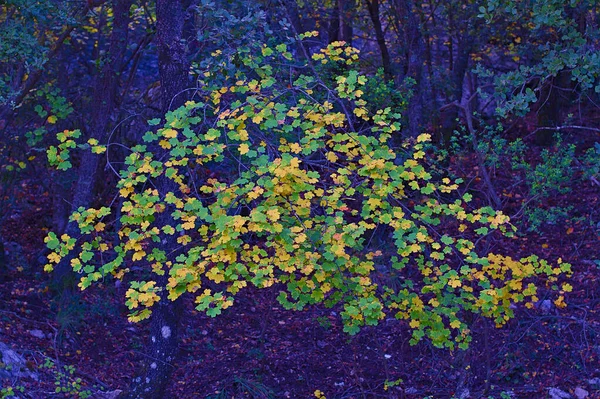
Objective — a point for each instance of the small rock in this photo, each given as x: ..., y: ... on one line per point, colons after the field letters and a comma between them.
x: 581, y: 393
x: 15, y: 365
x: 545, y: 305
x: 108, y: 395
x: 556, y: 393
x: 37, y: 333
x: 464, y: 393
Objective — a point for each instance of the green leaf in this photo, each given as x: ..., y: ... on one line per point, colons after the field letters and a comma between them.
x: 447, y: 239
x: 149, y: 137
x: 52, y: 241
x: 482, y: 231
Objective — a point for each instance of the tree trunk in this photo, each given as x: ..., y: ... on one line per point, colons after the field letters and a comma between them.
x: 173, y: 65
x: 555, y: 96
x: 459, y: 63
x: 373, y: 8
x: 412, y: 36
x: 340, y: 25
x: 103, y: 111
x: 162, y: 348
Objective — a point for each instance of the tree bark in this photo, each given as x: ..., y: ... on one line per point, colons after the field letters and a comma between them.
x: 340, y: 25
x: 414, y: 38
x: 162, y: 348
x: 103, y: 112
x: 173, y: 65
x: 373, y: 8
x: 458, y: 63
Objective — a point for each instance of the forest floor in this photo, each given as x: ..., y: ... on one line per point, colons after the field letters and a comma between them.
x: 258, y: 350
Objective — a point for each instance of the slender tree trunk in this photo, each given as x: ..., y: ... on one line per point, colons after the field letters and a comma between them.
x: 162, y: 348
x: 459, y: 63
x: 373, y: 8
x: 414, y: 38
x: 103, y: 111
x: 340, y: 24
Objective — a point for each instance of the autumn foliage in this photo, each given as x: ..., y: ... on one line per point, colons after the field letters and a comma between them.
x: 285, y: 182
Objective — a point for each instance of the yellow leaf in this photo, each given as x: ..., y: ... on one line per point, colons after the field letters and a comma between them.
x: 454, y: 283
x: 423, y: 138
x: 332, y: 157
x: 360, y: 112
x: 54, y: 257
x: 300, y: 238
x: 255, y: 193
x: 273, y: 214
x: 100, y: 149
x: 295, y: 148
x: 125, y: 191
x: 138, y: 255
x: 560, y: 302
x: 170, y: 133
x: 52, y: 119
x: 373, y: 202
x: 243, y: 148
x: 184, y: 239
x: 455, y: 324
x: 464, y: 250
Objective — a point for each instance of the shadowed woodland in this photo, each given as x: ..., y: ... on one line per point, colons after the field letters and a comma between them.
x: 299, y: 199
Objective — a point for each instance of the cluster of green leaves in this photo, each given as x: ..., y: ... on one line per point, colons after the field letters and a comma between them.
x: 27, y: 32
x: 283, y: 148
x: 65, y: 381
x: 10, y: 391
x: 51, y: 107
x: 59, y: 156
x: 542, y: 179
x: 553, y: 175
x: 556, y: 44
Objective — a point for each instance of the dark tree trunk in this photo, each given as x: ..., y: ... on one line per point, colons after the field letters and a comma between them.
x: 555, y: 96
x: 414, y: 57
x: 162, y: 348
x: 459, y: 63
x: 173, y: 65
x: 340, y: 25
x: 373, y: 8
x: 103, y: 111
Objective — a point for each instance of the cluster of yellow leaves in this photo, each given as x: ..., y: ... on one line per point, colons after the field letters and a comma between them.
x: 337, y: 51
